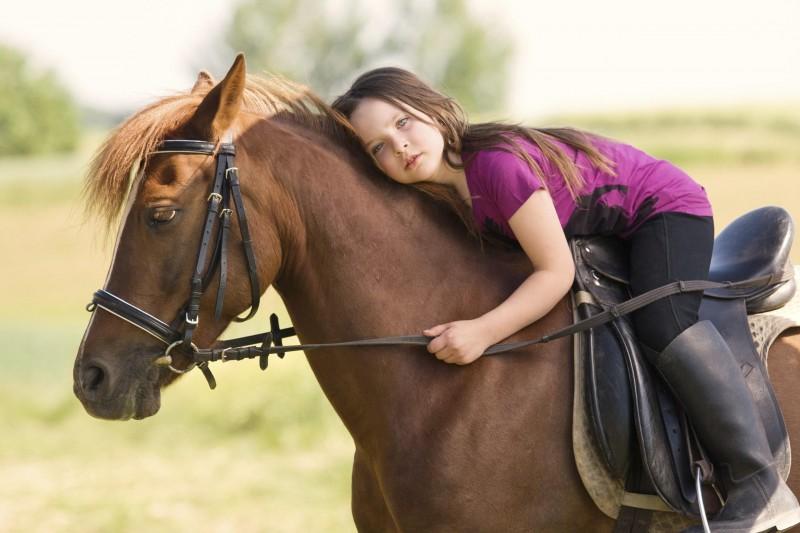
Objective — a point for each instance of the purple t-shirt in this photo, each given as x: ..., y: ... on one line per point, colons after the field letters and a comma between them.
x: 499, y: 183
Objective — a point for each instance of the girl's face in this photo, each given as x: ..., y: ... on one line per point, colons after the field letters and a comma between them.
x: 403, y: 142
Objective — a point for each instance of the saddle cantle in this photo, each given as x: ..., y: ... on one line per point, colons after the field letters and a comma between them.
x: 755, y: 244
x: 635, y: 421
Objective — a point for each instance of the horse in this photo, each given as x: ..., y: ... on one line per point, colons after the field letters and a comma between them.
x: 438, y: 447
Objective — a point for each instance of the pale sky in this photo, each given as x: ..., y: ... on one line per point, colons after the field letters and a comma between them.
x: 571, y: 55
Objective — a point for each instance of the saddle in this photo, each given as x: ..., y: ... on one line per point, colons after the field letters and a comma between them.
x: 638, y: 428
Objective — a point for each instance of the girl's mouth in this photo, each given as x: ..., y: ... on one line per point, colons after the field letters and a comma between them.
x: 412, y: 162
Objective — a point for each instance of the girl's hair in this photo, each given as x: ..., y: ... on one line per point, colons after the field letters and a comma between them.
x: 404, y: 89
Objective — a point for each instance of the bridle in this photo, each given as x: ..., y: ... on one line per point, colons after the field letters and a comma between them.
x: 226, y: 188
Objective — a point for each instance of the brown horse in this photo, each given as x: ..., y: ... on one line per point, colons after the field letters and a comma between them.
x: 483, y: 447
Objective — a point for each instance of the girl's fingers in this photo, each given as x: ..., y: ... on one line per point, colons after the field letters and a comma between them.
x: 435, y: 331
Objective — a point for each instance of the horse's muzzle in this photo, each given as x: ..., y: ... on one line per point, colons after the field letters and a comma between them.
x: 113, y: 394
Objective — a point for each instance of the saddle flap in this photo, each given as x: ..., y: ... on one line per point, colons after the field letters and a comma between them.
x: 606, y: 383
x: 623, y: 397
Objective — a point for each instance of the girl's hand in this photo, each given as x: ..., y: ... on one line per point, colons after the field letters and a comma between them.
x: 459, y: 342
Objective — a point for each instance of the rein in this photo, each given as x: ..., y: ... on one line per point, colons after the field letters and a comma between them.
x: 261, y: 345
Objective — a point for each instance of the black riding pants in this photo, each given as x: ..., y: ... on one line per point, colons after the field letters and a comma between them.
x: 669, y: 247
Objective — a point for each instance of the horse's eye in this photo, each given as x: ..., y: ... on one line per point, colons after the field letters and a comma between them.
x: 162, y: 216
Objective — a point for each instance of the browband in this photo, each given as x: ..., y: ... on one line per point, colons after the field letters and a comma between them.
x: 186, y: 146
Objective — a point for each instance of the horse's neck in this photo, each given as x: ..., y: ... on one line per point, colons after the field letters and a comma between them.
x: 374, y: 259
x: 372, y: 252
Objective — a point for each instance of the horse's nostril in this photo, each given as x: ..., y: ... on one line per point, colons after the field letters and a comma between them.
x: 93, y: 378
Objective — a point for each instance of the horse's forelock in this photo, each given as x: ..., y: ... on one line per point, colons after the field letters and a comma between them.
x: 109, y: 177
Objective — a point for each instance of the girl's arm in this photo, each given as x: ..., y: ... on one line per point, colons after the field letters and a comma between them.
x: 539, y: 232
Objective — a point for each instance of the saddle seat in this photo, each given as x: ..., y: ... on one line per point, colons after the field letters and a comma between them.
x: 637, y: 425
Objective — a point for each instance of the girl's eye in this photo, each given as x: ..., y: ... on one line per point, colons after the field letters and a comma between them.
x: 402, y: 122
x: 162, y: 216
x: 377, y: 148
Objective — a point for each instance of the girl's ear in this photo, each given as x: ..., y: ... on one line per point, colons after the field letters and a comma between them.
x: 218, y: 110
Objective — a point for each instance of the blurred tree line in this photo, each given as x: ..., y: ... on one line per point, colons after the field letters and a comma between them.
x: 322, y: 44
x: 37, y: 115
x: 327, y: 44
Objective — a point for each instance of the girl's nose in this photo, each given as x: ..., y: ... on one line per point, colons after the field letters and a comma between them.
x: 401, y: 149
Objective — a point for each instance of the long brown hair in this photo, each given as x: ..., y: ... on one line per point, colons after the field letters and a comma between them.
x: 404, y: 89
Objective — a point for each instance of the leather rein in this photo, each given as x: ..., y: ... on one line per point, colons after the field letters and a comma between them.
x: 226, y: 189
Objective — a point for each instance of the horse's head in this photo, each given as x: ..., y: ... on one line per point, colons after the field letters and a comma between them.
x: 120, y: 368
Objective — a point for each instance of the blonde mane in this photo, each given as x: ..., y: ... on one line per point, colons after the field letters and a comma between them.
x: 109, y: 177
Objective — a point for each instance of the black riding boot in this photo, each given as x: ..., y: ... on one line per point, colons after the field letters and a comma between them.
x: 702, y: 372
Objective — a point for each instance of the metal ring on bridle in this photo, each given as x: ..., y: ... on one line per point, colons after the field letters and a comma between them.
x: 178, y: 370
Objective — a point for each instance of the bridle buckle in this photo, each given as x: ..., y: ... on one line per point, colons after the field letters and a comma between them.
x: 222, y: 356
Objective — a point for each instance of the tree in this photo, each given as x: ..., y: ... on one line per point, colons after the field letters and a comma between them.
x: 37, y: 115
x: 326, y: 45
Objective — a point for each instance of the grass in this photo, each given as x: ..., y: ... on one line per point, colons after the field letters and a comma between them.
x: 134, y: 477
x: 265, y: 451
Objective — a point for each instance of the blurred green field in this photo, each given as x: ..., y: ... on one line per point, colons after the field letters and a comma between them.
x: 263, y: 452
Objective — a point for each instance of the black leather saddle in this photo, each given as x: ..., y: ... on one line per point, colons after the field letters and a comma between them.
x: 638, y: 425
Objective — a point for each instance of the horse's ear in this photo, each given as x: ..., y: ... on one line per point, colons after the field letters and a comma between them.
x: 204, y: 82
x: 221, y: 105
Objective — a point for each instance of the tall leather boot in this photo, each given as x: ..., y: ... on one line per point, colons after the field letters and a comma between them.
x: 702, y: 372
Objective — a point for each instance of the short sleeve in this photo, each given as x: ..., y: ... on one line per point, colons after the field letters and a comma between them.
x: 509, y: 181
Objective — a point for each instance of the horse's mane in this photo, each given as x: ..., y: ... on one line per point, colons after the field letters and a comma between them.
x: 109, y: 177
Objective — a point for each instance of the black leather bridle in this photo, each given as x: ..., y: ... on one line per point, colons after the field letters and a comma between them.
x: 261, y: 345
x: 225, y: 188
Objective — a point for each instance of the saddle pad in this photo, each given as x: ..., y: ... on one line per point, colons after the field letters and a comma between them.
x: 766, y: 327
x: 608, y: 492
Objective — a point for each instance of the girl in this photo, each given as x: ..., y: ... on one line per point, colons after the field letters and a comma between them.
x: 539, y: 186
